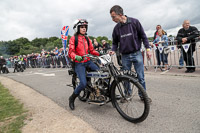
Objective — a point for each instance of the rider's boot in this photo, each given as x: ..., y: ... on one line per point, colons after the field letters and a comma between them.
x: 71, y: 100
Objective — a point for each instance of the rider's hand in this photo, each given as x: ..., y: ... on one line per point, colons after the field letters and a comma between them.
x: 100, y: 53
x: 78, y: 58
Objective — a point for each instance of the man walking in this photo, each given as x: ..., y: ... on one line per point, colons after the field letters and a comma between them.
x: 130, y: 34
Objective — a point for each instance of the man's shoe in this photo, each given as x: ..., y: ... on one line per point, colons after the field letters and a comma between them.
x: 127, y: 98
x: 187, y: 71
x: 118, y: 97
x: 191, y: 71
x: 180, y: 67
x: 148, y: 99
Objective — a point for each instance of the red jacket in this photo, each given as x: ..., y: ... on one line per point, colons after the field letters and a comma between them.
x: 81, y: 48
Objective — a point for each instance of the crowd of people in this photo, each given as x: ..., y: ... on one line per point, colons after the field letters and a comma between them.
x: 56, y: 58
x: 186, y: 35
x: 45, y: 59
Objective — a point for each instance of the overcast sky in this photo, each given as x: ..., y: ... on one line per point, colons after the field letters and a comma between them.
x: 45, y: 18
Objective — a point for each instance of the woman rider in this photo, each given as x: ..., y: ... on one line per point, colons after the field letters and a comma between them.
x: 76, y: 53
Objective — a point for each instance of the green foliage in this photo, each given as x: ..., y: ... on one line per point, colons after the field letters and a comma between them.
x: 52, y: 39
x: 58, y: 43
x: 170, y: 36
x: 37, y: 42
x: 150, y: 38
x: 91, y: 38
x: 100, y: 38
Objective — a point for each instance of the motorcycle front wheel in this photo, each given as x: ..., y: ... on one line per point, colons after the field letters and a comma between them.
x: 130, y: 99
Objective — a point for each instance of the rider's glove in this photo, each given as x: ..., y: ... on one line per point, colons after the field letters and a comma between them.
x: 78, y: 58
x: 100, y: 53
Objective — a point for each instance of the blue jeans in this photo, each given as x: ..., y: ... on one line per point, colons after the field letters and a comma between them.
x: 137, y: 60
x: 80, y: 69
x: 181, y: 60
x: 161, y: 57
x: 164, y: 58
x: 158, y: 57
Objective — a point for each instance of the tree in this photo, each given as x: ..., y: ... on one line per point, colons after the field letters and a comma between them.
x: 91, y: 38
x: 21, y: 41
x: 100, y: 38
x: 58, y: 43
x: 51, y: 39
x: 12, y: 47
x: 37, y: 42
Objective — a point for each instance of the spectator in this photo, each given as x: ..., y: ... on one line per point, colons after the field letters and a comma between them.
x: 97, y: 46
x: 25, y: 60
x: 62, y: 57
x: 53, y: 59
x: 156, y: 32
x: 67, y: 58
x: 163, y: 40
x: 157, y: 52
x: 106, y: 46
x: 187, y: 34
x: 129, y: 33
x: 48, y: 59
x: 57, y: 57
x: 181, y: 60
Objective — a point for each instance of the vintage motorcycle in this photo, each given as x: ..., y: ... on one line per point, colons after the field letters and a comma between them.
x: 18, y: 66
x: 5, y: 69
x: 109, y: 84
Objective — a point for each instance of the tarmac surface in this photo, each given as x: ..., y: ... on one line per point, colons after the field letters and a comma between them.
x: 175, y: 106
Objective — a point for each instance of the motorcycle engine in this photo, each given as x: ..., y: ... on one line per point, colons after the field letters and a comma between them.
x: 101, y: 89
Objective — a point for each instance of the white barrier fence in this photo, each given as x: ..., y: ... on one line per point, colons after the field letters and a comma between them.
x: 174, y: 56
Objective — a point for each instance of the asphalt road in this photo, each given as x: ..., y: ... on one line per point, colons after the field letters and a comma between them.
x: 175, y: 107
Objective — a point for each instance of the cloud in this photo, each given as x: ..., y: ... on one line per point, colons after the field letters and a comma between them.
x: 45, y: 18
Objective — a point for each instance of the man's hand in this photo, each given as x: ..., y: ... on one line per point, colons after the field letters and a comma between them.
x: 111, y: 52
x: 148, y: 55
x: 160, y: 42
x: 184, y: 40
x: 151, y: 44
x: 78, y: 58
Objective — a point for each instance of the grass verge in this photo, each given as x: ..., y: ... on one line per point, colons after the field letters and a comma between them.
x: 12, y: 113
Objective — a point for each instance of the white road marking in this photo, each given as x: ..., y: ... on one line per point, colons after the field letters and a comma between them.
x: 45, y: 74
x: 164, y: 72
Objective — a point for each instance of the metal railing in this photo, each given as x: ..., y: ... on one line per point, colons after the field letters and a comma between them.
x: 176, y: 55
